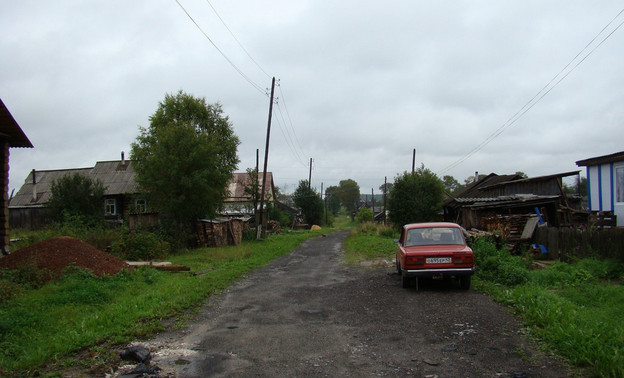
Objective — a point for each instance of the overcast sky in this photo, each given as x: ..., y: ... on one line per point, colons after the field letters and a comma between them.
x: 362, y: 84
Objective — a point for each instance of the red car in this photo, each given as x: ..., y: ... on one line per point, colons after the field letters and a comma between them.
x: 433, y: 250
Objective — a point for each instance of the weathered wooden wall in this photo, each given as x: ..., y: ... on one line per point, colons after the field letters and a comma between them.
x: 567, y: 244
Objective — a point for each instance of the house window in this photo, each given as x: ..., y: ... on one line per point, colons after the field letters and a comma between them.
x: 140, y: 205
x: 110, y: 206
x: 619, y: 183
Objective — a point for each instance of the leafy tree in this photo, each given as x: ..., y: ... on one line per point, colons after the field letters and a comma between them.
x: 451, y: 185
x: 333, y: 200
x: 416, y: 197
x: 522, y: 174
x: 184, y: 160
x: 76, y: 197
x: 365, y: 215
x: 471, y: 179
x: 309, y: 202
x: 349, y: 195
x: 579, y: 187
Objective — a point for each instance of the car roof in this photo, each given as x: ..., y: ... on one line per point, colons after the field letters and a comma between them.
x: 431, y: 225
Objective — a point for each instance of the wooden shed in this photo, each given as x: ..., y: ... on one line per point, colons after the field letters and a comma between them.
x: 221, y: 231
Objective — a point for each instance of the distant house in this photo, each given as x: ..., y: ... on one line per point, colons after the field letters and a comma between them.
x: 121, y: 194
x: 486, y: 201
x: 605, y: 184
x: 122, y: 197
x: 239, y: 203
x: 11, y: 135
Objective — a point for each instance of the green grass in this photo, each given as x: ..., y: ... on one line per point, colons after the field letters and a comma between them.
x: 574, y: 309
x: 365, y: 243
x: 79, y: 311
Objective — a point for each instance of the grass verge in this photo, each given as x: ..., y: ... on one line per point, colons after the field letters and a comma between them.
x: 78, y: 311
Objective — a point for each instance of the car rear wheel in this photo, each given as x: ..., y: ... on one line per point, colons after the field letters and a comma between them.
x: 464, y: 282
x: 398, y: 265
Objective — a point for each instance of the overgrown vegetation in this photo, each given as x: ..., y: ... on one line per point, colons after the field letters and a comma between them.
x: 370, y: 241
x: 574, y: 309
x: 40, y: 322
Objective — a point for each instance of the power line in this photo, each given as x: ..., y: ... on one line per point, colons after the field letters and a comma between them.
x: 237, y: 41
x: 540, y: 94
x: 240, y: 72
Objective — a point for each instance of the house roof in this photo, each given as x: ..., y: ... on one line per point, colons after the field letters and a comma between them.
x: 238, y: 182
x: 474, y: 190
x: 44, y: 179
x: 618, y: 156
x: 10, y: 130
x: 117, y: 178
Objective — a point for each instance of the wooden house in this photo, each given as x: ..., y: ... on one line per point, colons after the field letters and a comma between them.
x: 605, y: 185
x: 11, y: 135
x: 27, y: 208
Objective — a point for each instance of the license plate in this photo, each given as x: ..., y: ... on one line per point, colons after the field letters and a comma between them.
x: 438, y: 260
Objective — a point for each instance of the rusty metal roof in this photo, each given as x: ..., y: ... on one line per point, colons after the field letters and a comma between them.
x: 10, y: 130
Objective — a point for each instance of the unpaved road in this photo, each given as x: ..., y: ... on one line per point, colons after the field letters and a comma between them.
x: 307, y: 315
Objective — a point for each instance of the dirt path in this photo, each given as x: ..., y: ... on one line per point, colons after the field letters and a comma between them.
x: 308, y: 315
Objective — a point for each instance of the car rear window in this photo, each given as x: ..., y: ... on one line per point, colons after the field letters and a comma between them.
x: 434, y: 236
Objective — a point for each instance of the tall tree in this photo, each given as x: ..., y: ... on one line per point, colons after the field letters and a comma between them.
x: 451, y: 184
x: 309, y: 202
x: 416, y: 197
x: 185, y: 159
x: 77, y: 197
x: 349, y: 195
x: 333, y: 201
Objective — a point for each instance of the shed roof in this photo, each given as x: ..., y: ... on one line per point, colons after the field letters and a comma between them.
x: 10, y: 130
x: 618, y: 156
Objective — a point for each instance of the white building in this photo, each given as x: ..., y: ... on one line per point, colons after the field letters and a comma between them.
x: 605, y: 181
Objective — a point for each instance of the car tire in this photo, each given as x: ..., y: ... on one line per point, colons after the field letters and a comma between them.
x: 398, y: 266
x: 464, y: 282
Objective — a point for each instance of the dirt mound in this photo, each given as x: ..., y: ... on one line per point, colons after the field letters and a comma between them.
x: 57, y: 253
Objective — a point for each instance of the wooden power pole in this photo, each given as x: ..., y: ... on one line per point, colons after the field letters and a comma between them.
x: 266, y: 160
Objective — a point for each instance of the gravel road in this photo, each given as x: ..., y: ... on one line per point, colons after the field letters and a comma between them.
x: 306, y: 314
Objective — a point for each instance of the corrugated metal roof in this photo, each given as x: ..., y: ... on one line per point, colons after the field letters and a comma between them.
x: 10, y: 130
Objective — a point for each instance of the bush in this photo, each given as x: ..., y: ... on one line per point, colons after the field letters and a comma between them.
x: 499, y: 266
x: 364, y: 215
x: 140, y: 245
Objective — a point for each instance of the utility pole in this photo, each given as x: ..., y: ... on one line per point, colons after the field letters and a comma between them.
x: 255, y: 186
x: 310, y: 176
x: 413, y: 160
x: 266, y: 160
x: 384, y: 197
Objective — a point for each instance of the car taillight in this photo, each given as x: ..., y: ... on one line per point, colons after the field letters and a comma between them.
x: 463, y: 259
x: 414, y: 260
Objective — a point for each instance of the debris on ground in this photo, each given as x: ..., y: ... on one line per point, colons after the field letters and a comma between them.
x: 57, y: 253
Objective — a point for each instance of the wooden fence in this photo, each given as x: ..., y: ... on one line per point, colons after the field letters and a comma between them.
x: 566, y: 244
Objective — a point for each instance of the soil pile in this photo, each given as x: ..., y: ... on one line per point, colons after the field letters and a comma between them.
x: 57, y: 253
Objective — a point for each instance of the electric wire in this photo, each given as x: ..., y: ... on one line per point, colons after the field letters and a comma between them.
x: 240, y: 72
x: 290, y: 123
x: 540, y: 94
x: 237, y: 41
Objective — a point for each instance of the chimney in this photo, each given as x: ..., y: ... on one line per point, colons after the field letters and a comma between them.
x: 34, y: 182
x: 476, y: 176
x: 123, y: 158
